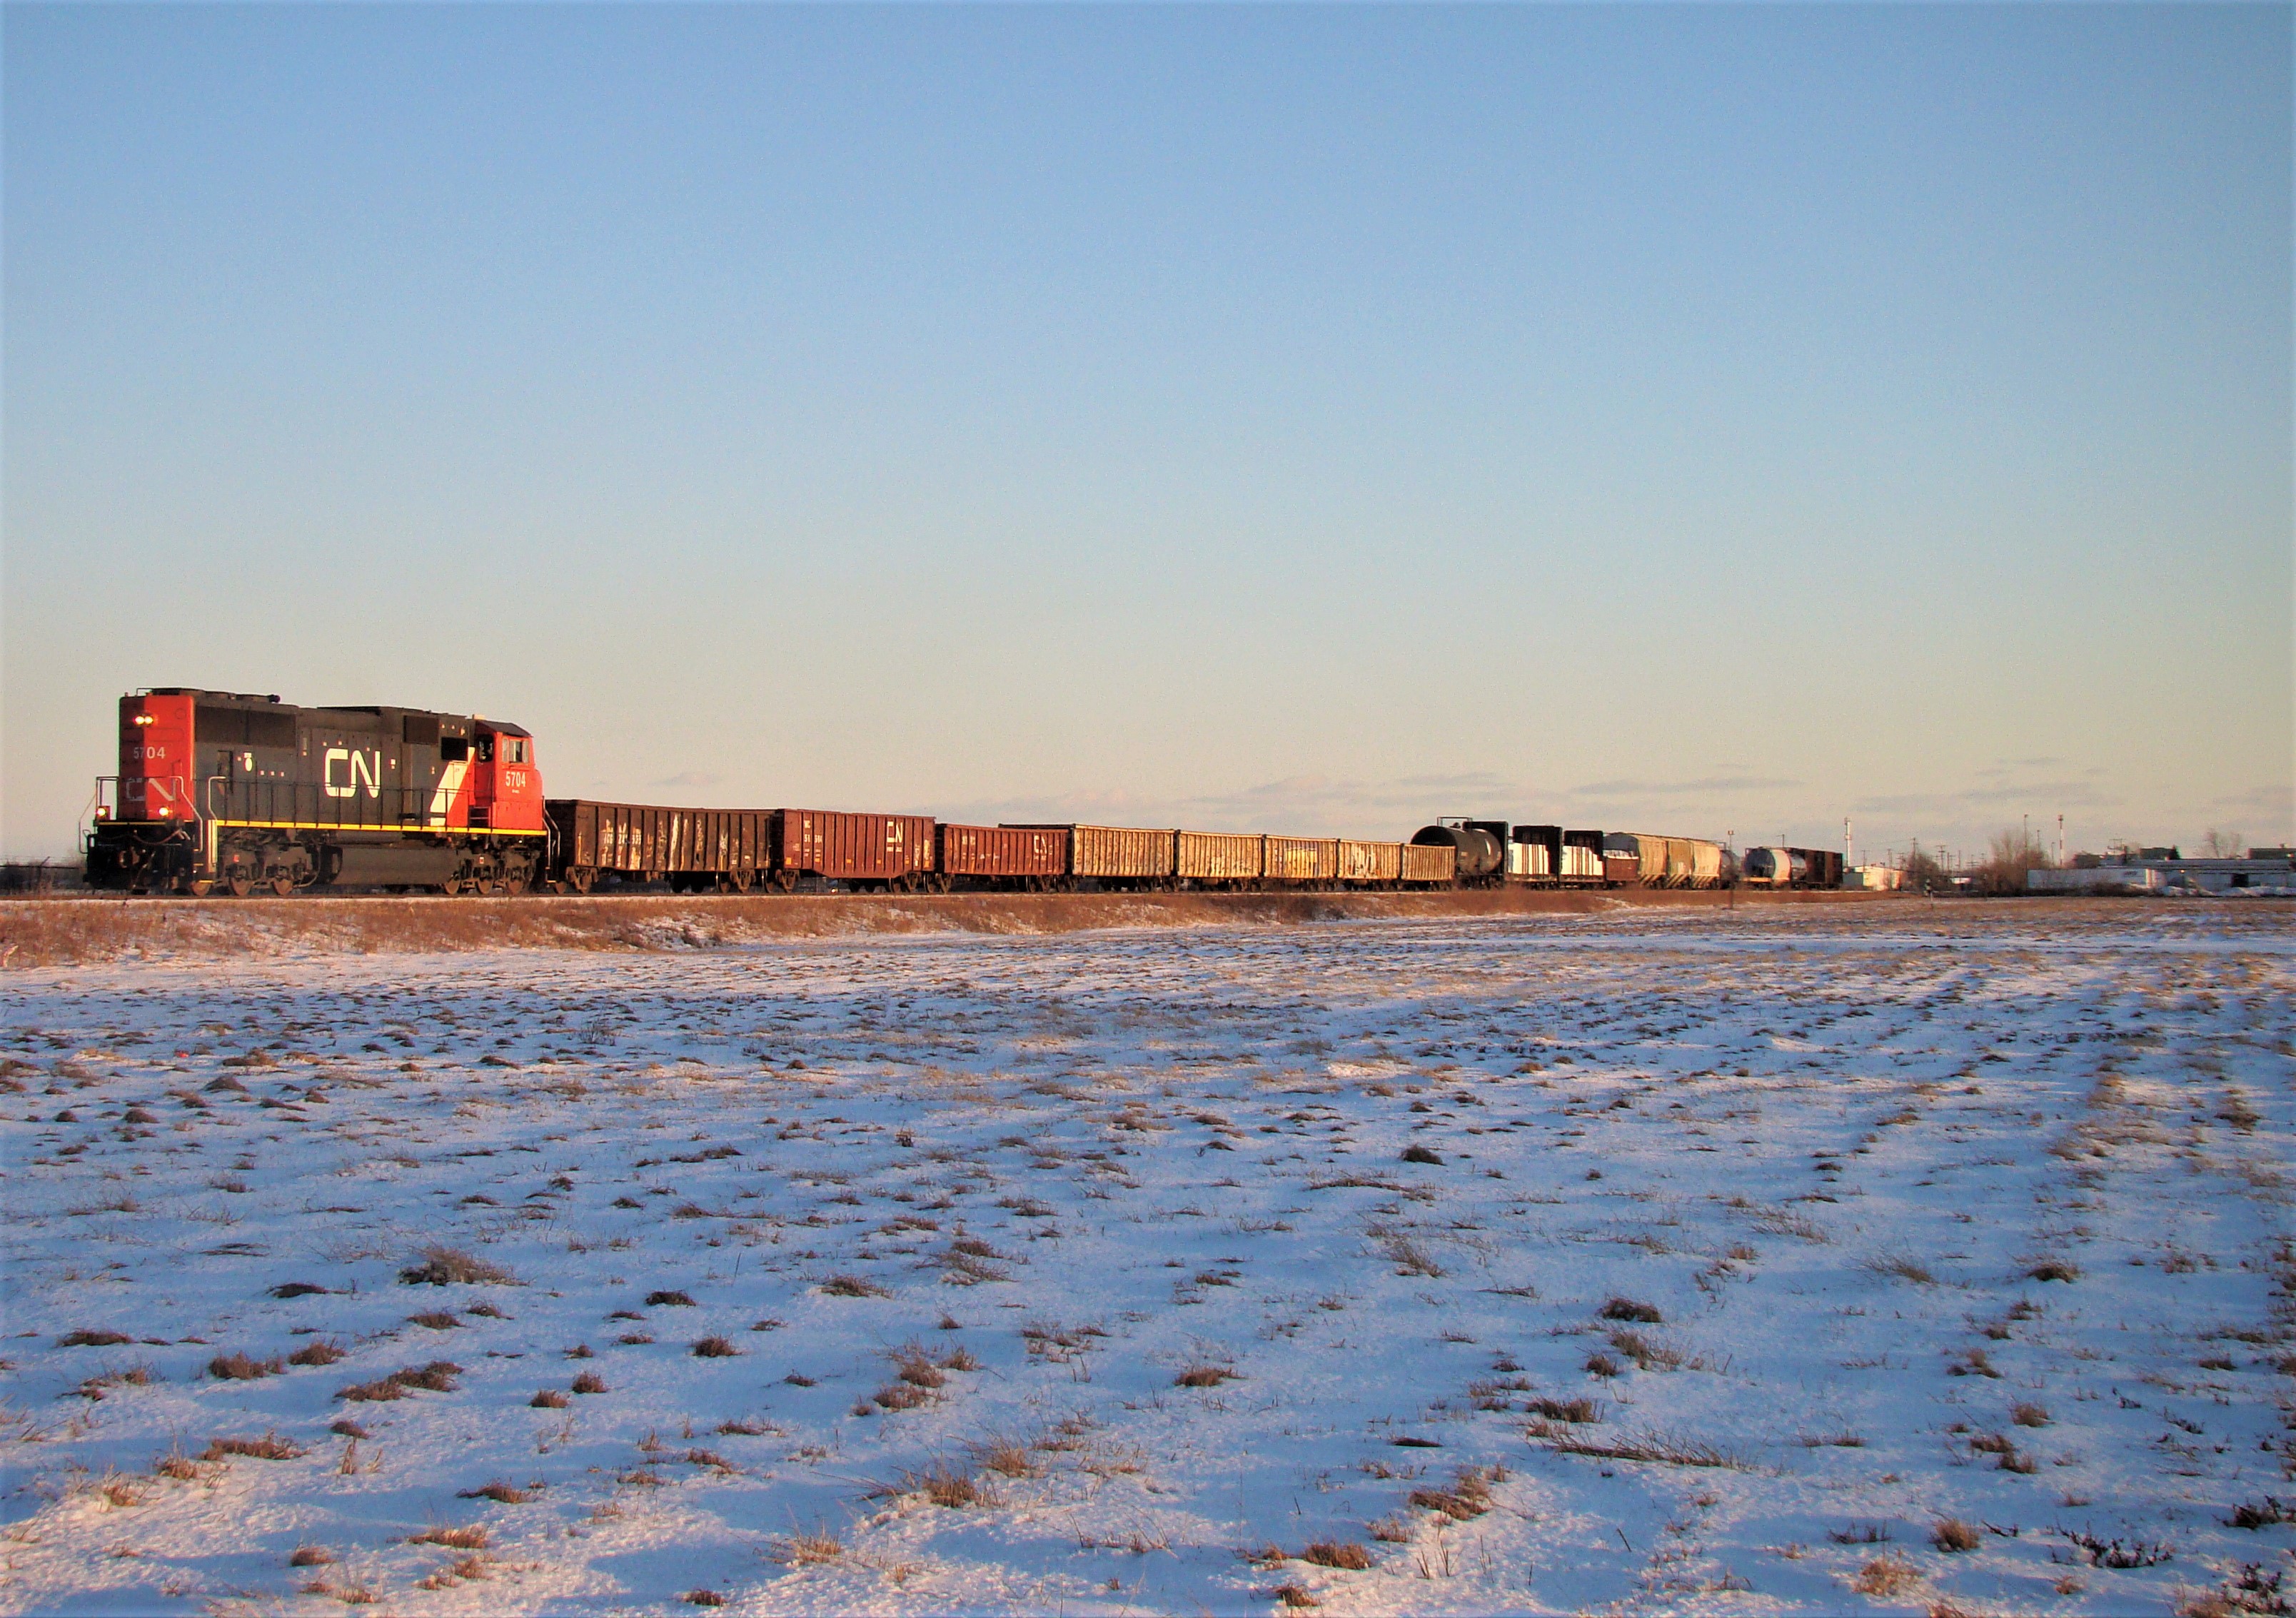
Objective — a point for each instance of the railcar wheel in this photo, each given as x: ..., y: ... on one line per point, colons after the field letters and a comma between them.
x: 451, y: 887
x: 784, y: 882
x: 283, y: 886
x: 580, y: 878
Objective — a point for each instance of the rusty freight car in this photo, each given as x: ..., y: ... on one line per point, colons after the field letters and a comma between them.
x: 1032, y: 858
x: 891, y: 852
x: 690, y: 849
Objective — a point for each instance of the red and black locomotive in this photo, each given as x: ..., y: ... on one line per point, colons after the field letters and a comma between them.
x: 223, y: 791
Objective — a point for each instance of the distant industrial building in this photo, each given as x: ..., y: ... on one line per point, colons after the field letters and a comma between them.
x: 2265, y: 871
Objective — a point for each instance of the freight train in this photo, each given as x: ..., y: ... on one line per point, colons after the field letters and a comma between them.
x: 222, y: 791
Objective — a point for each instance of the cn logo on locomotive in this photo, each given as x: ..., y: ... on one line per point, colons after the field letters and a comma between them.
x: 365, y: 767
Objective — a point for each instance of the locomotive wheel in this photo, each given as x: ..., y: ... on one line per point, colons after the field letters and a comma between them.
x: 452, y: 886
x: 198, y: 889
x: 283, y: 886
x: 513, y: 885
x: 239, y: 882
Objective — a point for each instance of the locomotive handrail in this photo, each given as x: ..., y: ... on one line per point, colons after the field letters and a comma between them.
x: 305, y: 803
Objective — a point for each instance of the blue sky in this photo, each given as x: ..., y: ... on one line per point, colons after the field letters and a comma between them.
x: 1681, y: 418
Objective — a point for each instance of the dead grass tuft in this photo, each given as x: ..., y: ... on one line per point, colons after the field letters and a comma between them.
x: 1662, y: 1449
x: 242, y: 1367
x: 2054, y: 1270
x: 1347, y: 1557
x: 1885, y: 1576
x: 1003, y: 1455
x: 93, y: 1338
x: 715, y: 1348
x: 1628, y: 1308
x: 270, y: 1447
x: 451, y: 1267
x: 809, y: 1549
x: 310, y: 1556
x: 502, y: 1493
x: 589, y: 1382
x: 436, y: 1377
x: 1468, y: 1497
x: 853, y: 1286
x: 471, y: 1538
x: 1203, y: 1376
x: 322, y: 1352
x: 1903, y: 1266
x: 1952, y: 1534
x: 549, y: 1399
x: 1583, y: 1411
x: 945, y: 1486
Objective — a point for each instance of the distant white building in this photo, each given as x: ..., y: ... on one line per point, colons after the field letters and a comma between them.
x: 1873, y: 879
x: 2273, y: 875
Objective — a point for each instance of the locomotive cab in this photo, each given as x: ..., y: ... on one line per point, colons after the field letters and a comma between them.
x: 505, y: 785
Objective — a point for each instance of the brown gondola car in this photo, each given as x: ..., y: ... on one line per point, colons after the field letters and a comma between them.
x: 690, y: 849
x: 889, y: 851
x: 1034, y: 858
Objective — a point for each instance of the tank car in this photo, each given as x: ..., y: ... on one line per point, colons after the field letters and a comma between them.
x: 1480, y: 846
x: 222, y: 790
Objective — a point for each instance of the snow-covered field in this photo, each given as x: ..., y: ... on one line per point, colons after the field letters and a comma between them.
x: 1903, y: 1258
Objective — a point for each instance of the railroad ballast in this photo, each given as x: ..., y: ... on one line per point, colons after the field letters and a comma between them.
x: 223, y: 791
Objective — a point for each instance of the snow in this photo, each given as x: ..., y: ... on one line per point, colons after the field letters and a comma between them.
x: 1828, y: 1149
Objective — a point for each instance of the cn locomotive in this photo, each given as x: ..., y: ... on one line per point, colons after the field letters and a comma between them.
x: 217, y: 789
x: 220, y: 792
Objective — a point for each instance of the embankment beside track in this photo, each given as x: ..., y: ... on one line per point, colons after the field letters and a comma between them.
x: 63, y: 931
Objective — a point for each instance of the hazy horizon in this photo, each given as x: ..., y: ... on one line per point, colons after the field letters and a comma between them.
x: 1693, y: 420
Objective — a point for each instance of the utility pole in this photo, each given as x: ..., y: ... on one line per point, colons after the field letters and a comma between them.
x: 1849, y: 845
x: 2061, y: 841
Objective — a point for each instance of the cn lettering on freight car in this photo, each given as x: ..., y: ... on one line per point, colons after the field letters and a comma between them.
x: 364, y: 768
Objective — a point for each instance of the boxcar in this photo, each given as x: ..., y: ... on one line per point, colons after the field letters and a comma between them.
x: 1229, y: 858
x: 692, y: 848
x: 879, y: 850
x: 1371, y: 862
x: 1036, y: 858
